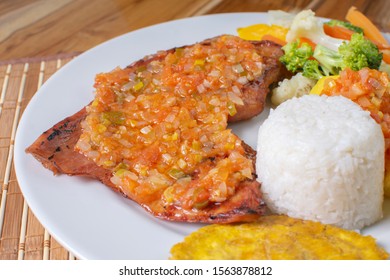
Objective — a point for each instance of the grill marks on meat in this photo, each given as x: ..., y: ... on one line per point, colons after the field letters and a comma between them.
x: 55, y: 150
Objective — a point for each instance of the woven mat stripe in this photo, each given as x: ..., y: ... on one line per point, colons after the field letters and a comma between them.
x: 9, y: 199
x: 22, y: 239
x: 46, y: 237
x: 22, y: 236
x: 16, y: 120
x: 2, y: 98
x: 38, y: 60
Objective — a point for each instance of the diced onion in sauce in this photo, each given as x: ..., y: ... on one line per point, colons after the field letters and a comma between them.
x: 161, y: 128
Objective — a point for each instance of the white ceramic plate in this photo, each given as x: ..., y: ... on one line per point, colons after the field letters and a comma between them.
x: 85, y: 216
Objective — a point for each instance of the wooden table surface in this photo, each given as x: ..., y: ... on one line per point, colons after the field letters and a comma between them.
x: 31, y: 28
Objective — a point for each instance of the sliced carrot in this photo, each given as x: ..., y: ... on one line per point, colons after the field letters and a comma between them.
x: 357, y: 18
x: 386, y: 56
x: 338, y: 32
x: 274, y: 39
x: 306, y: 40
x: 345, y: 34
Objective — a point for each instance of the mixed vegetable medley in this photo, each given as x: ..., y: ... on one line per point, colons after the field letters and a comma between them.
x: 333, y: 57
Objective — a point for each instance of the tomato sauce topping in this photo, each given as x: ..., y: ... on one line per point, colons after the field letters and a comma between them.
x: 371, y: 90
x: 162, y: 128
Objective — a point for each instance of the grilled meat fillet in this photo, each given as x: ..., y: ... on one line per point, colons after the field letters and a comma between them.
x: 211, y: 184
x: 55, y: 150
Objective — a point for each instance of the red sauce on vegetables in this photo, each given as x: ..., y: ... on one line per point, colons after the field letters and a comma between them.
x: 371, y: 90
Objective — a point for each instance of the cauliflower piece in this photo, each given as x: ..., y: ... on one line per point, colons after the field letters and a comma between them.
x: 297, y: 86
x: 306, y: 24
x: 281, y: 18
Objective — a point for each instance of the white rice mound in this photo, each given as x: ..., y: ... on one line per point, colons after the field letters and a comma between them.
x: 322, y: 158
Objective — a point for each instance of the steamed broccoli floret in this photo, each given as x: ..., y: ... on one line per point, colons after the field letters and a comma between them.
x: 360, y: 52
x: 312, y: 70
x: 355, y: 54
x: 331, y: 61
x: 335, y: 22
x: 295, y: 56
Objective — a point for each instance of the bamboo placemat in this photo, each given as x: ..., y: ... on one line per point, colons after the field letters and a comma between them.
x: 21, y: 234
